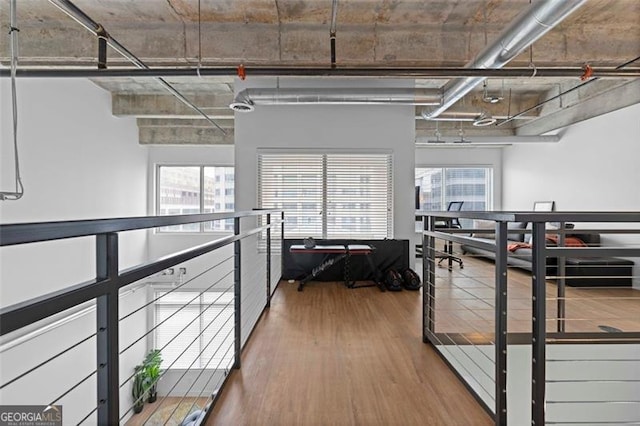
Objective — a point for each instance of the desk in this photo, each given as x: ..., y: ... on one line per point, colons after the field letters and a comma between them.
x: 335, y: 253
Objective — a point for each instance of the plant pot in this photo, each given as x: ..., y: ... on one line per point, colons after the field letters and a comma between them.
x: 153, y: 396
x: 137, y: 408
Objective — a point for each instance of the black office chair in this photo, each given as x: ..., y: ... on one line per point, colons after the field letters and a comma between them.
x: 453, y: 206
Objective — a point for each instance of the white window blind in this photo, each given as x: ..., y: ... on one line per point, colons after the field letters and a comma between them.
x: 329, y: 195
x: 212, y: 329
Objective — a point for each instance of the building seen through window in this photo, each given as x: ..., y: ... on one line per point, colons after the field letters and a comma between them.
x: 437, y: 186
x: 193, y: 190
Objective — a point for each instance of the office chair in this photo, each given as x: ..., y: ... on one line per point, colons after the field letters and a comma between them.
x: 453, y: 206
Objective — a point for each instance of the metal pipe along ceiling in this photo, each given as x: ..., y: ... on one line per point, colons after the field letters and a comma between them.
x: 247, y: 98
x: 307, y: 71
x: 528, y: 27
x: 83, y: 19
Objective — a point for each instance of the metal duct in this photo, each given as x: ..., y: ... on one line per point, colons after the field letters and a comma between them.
x: 479, y: 119
x: 247, y: 98
x: 528, y: 27
x: 458, y: 116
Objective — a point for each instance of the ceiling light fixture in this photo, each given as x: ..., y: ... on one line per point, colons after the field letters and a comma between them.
x: 491, y: 99
x: 437, y: 134
x: 461, y: 133
x: 484, y: 119
x: 242, y: 106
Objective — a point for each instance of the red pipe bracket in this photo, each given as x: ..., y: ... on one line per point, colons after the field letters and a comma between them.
x: 242, y: 72
x: 588, y: 72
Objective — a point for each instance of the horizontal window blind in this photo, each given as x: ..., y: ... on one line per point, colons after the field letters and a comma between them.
x: 293, y: 183
x: 329, y: 195
x: 212, y: 329
x: 359, y: 196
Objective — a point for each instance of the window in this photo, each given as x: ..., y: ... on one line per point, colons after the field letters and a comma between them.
x: 329, y: 195
x: 439, y: 186
x: 208, y: 319
x: 192, y: 190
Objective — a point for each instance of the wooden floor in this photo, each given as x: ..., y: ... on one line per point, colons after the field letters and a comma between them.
x: 337, y: 356
x: 465, y: 303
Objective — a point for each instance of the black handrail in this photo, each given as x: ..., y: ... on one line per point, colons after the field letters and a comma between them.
x: 24, y: 313
x: 527, y: 216
x: 22, y: 233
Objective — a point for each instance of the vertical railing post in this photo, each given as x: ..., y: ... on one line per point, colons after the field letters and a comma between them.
x: 268, y: 260
x: 562, y: 269
x: 501, y: 324
x: 237, y: 293
x: 428, y: 278
x: 538, y: 338
x: 282, y: 241
x: 108, y: 387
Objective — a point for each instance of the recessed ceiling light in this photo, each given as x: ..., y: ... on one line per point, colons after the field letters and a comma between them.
x: 484, y: 120
x: 242, y: 107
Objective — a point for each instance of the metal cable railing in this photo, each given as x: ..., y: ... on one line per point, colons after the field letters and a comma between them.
x: 194, y: 340
x: 570, y: 312
x: 228, y: 334
x: 176, y: 288
x: 456, y: 301
x: 152, y: 329
x: 130, y: 318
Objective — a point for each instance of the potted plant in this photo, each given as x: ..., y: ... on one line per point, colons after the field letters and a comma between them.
x: 151, y: 365
x: 138, y: 391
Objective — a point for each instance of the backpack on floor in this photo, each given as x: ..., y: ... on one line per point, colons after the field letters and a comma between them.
x: 392, y: 280
x: 411, y: 280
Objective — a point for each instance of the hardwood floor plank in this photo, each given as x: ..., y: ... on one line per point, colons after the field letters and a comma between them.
x: 335, y: 356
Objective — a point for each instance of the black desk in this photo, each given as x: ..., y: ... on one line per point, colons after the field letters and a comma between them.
x: 335, y: 253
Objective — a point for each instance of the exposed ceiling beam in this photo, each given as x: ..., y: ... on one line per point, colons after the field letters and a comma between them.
x: 484, y: 140
x: 555, y: 117
x: 215, y: 105
x: 452, y: 130
x: 180, y: 122
x: 184, y: 136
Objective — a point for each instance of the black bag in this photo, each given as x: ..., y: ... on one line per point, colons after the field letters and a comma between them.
x: 393, y: 280
x: 411, y: 280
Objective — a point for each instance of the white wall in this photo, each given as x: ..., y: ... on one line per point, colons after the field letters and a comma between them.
x: 593, y: 167
x: 329, y: 128
x: 77, y: 162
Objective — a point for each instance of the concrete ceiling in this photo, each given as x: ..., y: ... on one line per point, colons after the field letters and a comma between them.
x: 370, y: 33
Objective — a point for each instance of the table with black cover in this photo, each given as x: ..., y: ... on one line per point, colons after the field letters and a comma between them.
x: 332, y: 255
